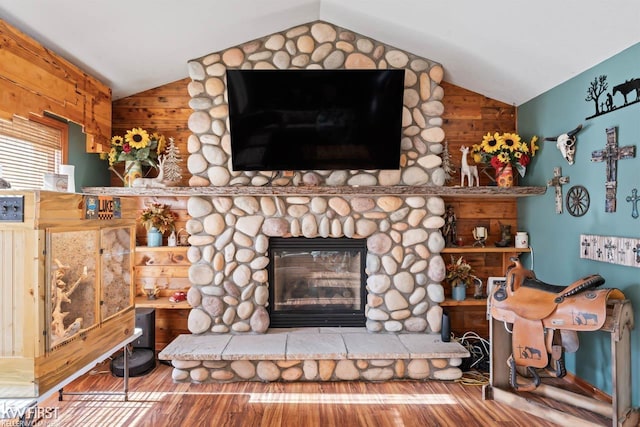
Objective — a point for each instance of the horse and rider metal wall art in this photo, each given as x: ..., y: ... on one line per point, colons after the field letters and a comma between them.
x: 621, y: 96
x: 611, y: 249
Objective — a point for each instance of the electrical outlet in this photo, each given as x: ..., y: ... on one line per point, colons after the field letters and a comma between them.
x: 12, y: 208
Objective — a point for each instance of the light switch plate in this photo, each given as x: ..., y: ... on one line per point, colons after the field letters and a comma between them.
x: 12, y: 208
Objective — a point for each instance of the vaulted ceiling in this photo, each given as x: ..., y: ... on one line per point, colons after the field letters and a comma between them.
x: 509, y: 50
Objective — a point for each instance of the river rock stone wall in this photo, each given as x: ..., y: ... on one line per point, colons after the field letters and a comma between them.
x: 229, y: 256
x: 317, y: 45
x: 230, y: 235
x: 315, y: 370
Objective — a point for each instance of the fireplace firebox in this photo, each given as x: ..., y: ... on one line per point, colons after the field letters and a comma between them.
x: 317, y: 282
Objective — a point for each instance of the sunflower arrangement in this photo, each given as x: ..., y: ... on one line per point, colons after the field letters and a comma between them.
x: 499, y: 150
x: 136, y: 144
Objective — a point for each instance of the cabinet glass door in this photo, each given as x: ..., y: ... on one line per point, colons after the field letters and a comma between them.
x: 116, y: 264
x: 72, y: 290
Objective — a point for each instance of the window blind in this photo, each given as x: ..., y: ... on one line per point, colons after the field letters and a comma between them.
x: 27, y: 151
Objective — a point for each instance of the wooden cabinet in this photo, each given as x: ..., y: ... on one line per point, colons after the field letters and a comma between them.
x: 66, y: 290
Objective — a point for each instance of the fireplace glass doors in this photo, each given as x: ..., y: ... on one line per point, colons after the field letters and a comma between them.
x: 317, y: 282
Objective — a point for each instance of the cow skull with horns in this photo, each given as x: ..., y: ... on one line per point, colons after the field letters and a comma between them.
x: 566, y: 143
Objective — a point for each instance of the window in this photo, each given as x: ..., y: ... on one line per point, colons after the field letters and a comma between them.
x: 30, y: 148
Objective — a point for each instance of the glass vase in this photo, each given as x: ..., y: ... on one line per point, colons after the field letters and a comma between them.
x: 132, y: 170
x: 154, y: 237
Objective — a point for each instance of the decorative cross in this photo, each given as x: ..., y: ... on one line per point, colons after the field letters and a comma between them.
x: 610, y: 247
x: 557, y: 181
x: 636, y: 251
x: 599, y: 252
x: 634, y: 199
x: 611, y: 154
x: 585, y: 244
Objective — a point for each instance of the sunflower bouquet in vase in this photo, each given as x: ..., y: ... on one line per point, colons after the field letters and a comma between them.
x: 504, y: 152
x: 137, y: 148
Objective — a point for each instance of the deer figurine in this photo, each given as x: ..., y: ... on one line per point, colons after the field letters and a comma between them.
x: 471, y: 172
x: 152, y: 182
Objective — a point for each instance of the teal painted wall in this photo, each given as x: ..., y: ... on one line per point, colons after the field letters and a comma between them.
x: 90, y: 171
x: 555, y: 238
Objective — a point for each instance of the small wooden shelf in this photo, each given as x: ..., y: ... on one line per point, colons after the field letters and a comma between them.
x: 160, y: 248
x: 486, y: 249
x: 161, y: 302
x: 466, y: 302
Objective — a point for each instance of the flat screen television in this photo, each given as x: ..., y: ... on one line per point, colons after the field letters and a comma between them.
x: 315, y: 119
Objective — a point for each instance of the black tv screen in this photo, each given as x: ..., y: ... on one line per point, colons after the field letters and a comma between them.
x: 315, y: 119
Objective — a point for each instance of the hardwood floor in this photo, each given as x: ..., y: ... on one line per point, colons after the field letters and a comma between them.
x: 154, y: 400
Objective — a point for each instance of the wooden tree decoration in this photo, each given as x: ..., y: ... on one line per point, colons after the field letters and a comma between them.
x: 172, y: 163
x: 61, y: 292
x: 449, y: 170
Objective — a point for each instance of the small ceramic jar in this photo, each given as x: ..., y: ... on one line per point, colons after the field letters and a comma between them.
x: 522, y: 239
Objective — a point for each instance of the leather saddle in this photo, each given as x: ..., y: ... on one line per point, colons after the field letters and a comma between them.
x: 545, y: 319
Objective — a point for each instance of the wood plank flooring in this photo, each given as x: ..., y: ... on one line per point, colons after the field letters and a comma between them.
x: 154, y: 400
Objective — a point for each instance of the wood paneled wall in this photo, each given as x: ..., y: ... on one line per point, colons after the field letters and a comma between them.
x: 164, y: 109
x: 34, y: 80
x: 468, y: 116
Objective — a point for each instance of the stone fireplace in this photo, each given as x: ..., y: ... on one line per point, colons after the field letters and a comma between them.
x: 230, y: 239
x: 316, y: 282
x: 234, y: 229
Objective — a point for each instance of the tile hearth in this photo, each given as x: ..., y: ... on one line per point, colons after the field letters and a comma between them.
x: 313, y: 354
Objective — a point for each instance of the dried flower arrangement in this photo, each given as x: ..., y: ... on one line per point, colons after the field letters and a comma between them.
x: 158, y: 215
x: 460, y: 272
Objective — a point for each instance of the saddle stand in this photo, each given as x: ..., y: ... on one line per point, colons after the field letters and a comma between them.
x: 533, y: 323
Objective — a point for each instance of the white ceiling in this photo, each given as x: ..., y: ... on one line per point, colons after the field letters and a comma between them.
x: 509, y: 50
